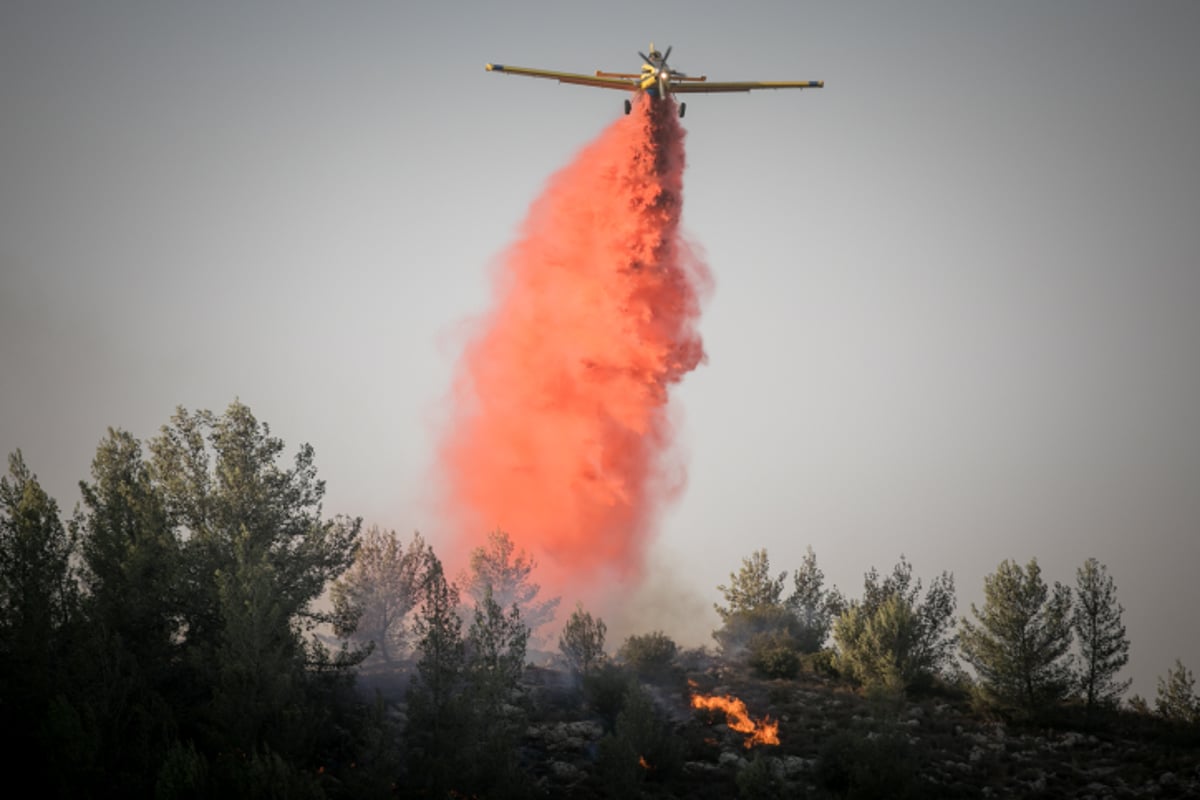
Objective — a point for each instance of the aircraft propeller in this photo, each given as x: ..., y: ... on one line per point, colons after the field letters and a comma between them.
x: 661, y: 61
x: 660, y: 65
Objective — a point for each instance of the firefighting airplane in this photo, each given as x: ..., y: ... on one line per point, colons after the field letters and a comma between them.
x: 656, y: 79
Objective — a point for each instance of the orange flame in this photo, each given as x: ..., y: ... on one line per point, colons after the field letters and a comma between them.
x: 642, y: 762
x: 762, y: 731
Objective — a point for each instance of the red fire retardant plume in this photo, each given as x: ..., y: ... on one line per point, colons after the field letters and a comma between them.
x: 559, y: 422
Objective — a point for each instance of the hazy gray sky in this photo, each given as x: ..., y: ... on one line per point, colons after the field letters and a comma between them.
x: 957, y: 289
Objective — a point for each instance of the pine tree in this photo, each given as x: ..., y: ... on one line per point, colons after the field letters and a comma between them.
x: 38, y: 601
x: 752, y: 588
x: 1102, y: 642
x: 1176, y: 699
x: 36, y: 589
x: 504, y: 571
x: 133, y: 573
x: 582, y: 640
x: 259, y: 664
x: 374, y: 599
x: 437, y: 710
x: 893, y: 637
x: 814, y: 606
x: 223, y: 489
x: 256, y: 556
x: 495, y: 660
x: 757, y: 624
x: 439, y: 632
x: 875, y: 647
x: 495, y: 647
x: 131, y: 555
x: 1020, y: 644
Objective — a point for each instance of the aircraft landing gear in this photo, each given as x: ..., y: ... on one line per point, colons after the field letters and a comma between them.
x: 682, y: 108
x: 628, y: 107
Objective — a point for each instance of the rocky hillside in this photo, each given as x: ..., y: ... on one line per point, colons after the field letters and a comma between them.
x: 581, y: 737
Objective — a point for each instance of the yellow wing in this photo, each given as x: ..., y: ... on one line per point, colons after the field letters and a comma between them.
x: 599, y: 81
x: 741, y: 86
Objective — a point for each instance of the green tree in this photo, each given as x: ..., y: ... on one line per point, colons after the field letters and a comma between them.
x: 495, y: 651
x: 815, y: 606
x: 36, y: 584
x: 751, y: 588
x: 641, y: 747
x: 132, y: 571
x: 1138, y: 705
x: 756, y: 623
x: 223, y: 487
x: 893, y: 637
x: 437, y: 710
x: 38, y: 602
x: 495, y: 660
x: 256, y: 555
x: 504, y: 571
x: 373, y: 600
x: 875, y: 647
x: 1176, y: 699
x: 259, y: 663
x: 131, y: 554
x: 1102, y: 642
x: 649, y: 654
x: 582, y: 641
x: 1020, y: 642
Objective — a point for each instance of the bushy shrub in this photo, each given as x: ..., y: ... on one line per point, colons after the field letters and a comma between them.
x: 604, y: 690
x: 262, y: 773
x: 875, y: 644
x: 741, y: 628
x: 651, y: 653
x: 857, y: 768
x: 774, y: 656
x: 641, y: 748
x: 695, y: 659
x: 1176, y: 700
x: 762, y: 780
x: 822, y: 662
x: 893, y: 637
x: 183, y: 773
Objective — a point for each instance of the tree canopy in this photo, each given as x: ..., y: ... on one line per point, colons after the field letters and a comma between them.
x: 501, y: 570
x: 1104, y: 648
x: 37, y: 604
x: 751, y: 588
x: 1020, y: 641
x: 582, y: 640
x: 374, y: 598
x: 1176, y: 698
x: 815, y: 606
x: 892, y: 636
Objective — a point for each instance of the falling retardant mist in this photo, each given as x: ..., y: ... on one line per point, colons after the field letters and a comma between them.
x: 560, y: 432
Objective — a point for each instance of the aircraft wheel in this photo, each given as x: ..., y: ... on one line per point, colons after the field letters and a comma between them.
x: 628, y: 107
x: 682, y: 109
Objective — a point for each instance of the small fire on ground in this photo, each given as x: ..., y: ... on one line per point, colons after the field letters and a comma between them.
x: 762, y: 731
